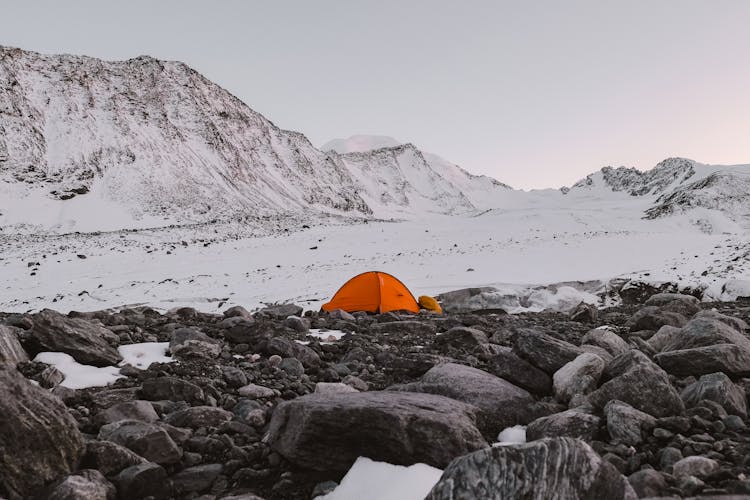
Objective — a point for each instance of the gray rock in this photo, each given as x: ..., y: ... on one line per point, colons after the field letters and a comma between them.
x: 340, y: 314
x: 280, y: 311
x: 665, y: 335
x: 719, y: 388
x: 697, y: 466
x: 687, y: 305
x: 143, y: 481
x: 237, y: 311
x: 86, y: 342
x: 133, y: 410
x: 86, y: 484
x: 502, y: 403
x: 579, y: 376
x: 642, y: 385
x: 250, y: 412
x: 11, y: 352
x: 324, y: 388
x: 727, y: 358
x: 234, y: 376
x: 462, y: 336
x: 704, y: 331
x: 328, y: 433
x: 110, y: 458
x: 570, y: 423
x: 196, y: 479
x: 551, y: 468
x: 198, y: 416
x: 254, y: 391
x: 171, y: 388
x: 147, y: 440
x: 544, y: 351
x: 301, y: 325
x: 735, y: 323
x: 507, y: 365
x: 187, y: 343
x: 626, y: 424
x: 473, y: 299
x: 584, y: 313
x: 648, y: 483
x: 599, y: 351
x: 653, y: 318
x: 606, y: 339
x: 668, y: 457
x: 289, y: 349
x: 39, y: 439
x: 292, y: 367
x: 405, y: 327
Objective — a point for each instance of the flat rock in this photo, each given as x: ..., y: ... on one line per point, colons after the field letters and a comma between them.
x: 135, y: 410
x: 254, y: 391
x: 702, y: 331
x: 719, y: 388
x: 328, y: 433
x: 147, y: 480
x: 544, y: 351
x: 653, y: 318
x: 462, y: 336
x: 110, y: 458
x: 39, y: 439
x: 507, y: 365
x: 569, y: 423
x: 549, y: 468
x: 728, y: 358
x: 172, y: 389
x: 502, y: 403
x: 85, y: 341
x: 697, y: 466
x: 147, y: 440
x: 280, y: 311
x: 197, y: 478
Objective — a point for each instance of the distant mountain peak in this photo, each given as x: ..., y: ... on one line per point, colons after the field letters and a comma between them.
x: 360, y: 144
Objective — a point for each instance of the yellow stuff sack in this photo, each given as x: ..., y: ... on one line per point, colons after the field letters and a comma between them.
x: 429, y: 303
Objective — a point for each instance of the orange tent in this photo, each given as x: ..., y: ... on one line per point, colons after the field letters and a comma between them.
x: 374, y: 292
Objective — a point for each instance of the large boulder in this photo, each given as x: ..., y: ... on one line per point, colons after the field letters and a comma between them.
x: 549, y: 468
x: 507, y: 365
x: 279, y: 311
x: 640, y: 383
x: 719, y: 388
x: 569, y: 423
x: 328, y: 433
x: 545, y: 351
x: 146, y: 439
x: 11, y: 352
x: 187, y: 343
x: 736, y: 323
x: 704, y: 331
x: 39, y: 439
x: 135, y: 410
x: 87, y: 484
x: 606, y: 339
x: 728, y: 358
x: 627, y: 424
x: 579, y: 376
x: 653, y: 318
x: 85, y: 341
x: 144, y: 481
x: 109, y: 458
x: 171, y: 388
x: 502, y: 403
x: 687, y: 305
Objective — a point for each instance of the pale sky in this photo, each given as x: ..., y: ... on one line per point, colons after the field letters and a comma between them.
x: 536, y: 94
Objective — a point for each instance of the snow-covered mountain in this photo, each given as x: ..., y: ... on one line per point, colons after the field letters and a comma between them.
x: 150, y: 143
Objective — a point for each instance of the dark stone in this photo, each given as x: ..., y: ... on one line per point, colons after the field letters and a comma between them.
x: 502, y: 403
x: 83, y: 485
x: 147, y: 440
x: 626, y: 424
x: 142, y: 481
x: 653, y: 318
x: 289, y: 349
x: 706, y: 331
x: 199, y: 416
x: 648, y: 483
x: 39, y: 439
x: 196, y: 479
x: 584, y: 313
x: 280, y: 311
x: 506, y: 364
x: 719, y: 388
x: 687, y: 305
x: 109, y: 458
x: 570, y: 423
x: 727, y: 358
x: 545, y: 351
x: 461, y: 336
x: 328, y: 433
x: 405, y: 327
x: 171, y: 388
x: 11, y: 352
x: 86, y: 342
x: 550, y: 468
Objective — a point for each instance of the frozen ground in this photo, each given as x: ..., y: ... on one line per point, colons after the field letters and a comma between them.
x: 545, y: 239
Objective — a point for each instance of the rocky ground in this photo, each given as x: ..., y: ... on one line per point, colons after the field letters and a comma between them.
x: 638, y: 401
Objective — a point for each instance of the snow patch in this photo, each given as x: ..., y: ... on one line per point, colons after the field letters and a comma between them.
x: 77, y: 375
x: 143, y: 354
x: 327, y: 335
x: 370, y: 480
x: 511, y: 435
